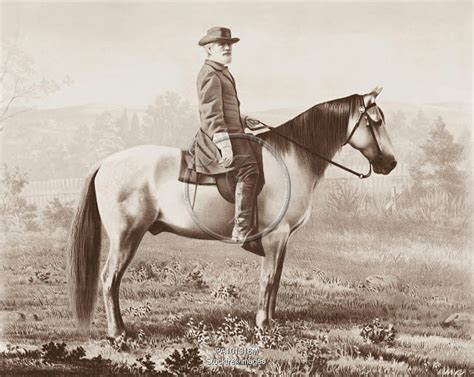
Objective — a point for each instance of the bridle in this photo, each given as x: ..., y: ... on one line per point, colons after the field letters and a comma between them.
x: 370, y: 123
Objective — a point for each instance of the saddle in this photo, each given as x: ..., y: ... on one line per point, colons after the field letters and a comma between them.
x: 225, y: 182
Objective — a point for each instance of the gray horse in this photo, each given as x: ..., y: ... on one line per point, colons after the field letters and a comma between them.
x: 137, y: 190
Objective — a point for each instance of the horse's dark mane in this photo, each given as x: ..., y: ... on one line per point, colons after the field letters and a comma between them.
x: 321, y: 129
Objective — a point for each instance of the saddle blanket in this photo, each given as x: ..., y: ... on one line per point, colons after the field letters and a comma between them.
x: 225, y: 183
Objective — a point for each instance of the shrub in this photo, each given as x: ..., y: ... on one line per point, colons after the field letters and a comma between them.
x: 57, y: 214
x: 139, y: 311
x: 126, y: 343
x: 316, y: 351
x: 269, y: 337
x: 184, y: 363
x: 225, y: 292
x: 199, y: 333
x: 233, y: 330
x: 437, y: 206
x: 147, y: 364
x: 54, y: 352
x: 195, y: 279
x: 140, y: 274
x: 343, y: 197
x: 377, y: 333
x: 16, y: 214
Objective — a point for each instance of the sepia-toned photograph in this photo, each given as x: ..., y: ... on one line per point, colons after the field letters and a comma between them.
x: 236, y: 188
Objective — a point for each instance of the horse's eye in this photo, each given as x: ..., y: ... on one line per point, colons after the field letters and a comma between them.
x: 375, y: 117
x: 377, y: 123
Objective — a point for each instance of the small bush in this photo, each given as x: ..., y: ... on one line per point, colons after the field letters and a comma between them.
x: 198, y: 333
x: 437, y: 206
x: 225, y: 292
x: 184, y: 363
x: 139, y: 311
x: 56, y: 352
x: 377, y: 333
x: 233, y: 330
x: 343, y: 198
x: 58, y: 214
x: 140, y: 274
x: 316, y: 351
x: 195, y: 279
x: 15, y: 213
x: 125, y: 343
x: 147, y: 365
x: 269, y: 337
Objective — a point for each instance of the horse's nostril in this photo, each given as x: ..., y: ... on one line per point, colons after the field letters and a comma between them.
x: 393, y: 164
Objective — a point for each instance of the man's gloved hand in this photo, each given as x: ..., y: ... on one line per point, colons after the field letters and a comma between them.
x: 222, y: 141
x: 250, y: 122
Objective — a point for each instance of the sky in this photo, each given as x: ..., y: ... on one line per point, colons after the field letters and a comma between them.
x: 289, y: 55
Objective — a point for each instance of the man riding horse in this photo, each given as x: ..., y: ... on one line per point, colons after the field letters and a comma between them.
x: 217, y: 142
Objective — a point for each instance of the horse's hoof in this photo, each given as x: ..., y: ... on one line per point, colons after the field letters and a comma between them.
x: 116, y: 334
x: 261, y: 321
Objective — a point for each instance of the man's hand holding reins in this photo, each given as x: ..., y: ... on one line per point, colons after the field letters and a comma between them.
x: 250, y: 122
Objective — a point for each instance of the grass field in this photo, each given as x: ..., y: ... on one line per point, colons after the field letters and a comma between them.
x: 187, y: 302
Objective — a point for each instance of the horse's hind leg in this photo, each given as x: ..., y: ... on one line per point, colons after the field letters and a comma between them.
x: 123, y: 247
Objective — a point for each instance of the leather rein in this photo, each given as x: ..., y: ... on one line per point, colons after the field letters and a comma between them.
x: 369, y: 123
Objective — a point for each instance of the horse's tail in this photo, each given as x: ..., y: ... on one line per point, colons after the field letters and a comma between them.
x: 84, y: 253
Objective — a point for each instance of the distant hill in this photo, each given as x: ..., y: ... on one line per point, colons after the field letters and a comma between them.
x: 39, y: 137
x: 458, y: 116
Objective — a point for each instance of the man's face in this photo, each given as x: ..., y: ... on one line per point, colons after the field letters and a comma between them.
x: 220, y: 52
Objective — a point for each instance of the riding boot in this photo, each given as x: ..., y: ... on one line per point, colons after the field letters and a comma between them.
x: 243, y: 220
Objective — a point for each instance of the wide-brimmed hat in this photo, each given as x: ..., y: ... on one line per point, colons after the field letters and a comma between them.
x: 218, y: 34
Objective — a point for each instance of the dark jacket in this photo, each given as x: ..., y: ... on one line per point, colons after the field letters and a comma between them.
x: 219, y: 110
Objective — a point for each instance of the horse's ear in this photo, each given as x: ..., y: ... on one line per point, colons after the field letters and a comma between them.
x: 377, y: 91
x: 370, y: 97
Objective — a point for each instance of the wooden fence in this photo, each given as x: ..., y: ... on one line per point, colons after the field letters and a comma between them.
x: 41, y: 193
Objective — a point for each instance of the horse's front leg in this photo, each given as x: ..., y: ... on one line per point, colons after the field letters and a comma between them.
x: 274, y: 245
x: 276, y: 283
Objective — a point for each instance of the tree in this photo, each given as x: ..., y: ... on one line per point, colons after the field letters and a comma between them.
x: 136, y: 135
x: 170, y: 121
x: 106, y: 136
x: 438, y: 164
x: 21, y: 82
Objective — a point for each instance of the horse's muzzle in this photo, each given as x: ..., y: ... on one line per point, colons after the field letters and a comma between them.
x: 384, y: 165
